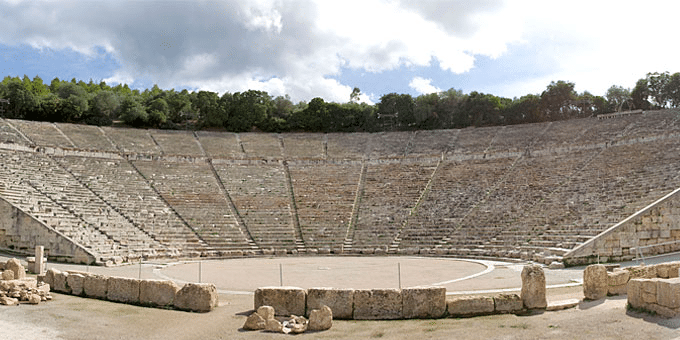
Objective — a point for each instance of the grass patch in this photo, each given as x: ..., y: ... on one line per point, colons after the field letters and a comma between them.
x: 521, y: 326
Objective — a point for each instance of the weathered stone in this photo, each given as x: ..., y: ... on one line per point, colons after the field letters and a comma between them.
x: 642, y: 272
x: 76, y: 282
x: 423, y: 302
x: 96, y: 286
x: 533, y: 287
x: 564, y: 304
x: 8, y: 275
x: 122, y: 289
x: 285, y: 300
x: 648, y: 292
x: 556, y: 265
x: 273, y: 325
x: 634, y: 292
x: 34, y: 299
x: 617, y: 281
x: 15, y: 266
x: 254, y: 322
x: 49, y: 276
x: 668, y: 293
x: 296, y: 325
x: 469, y: 306
x: 507, y: 303
x: 266, y: 312
x: 157, y: 292
x: 320, y: 319
x: 8, y: 301
x: 61, y: 283
x: 595, y: 282
x: 377, y: 304
x: 196, y: 297
x: 340, y: 301
x: 662, y: 270
x: 663, y: 310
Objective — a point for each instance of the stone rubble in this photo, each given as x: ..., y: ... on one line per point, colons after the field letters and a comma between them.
x: 15, y: 287
x: 264, y: 319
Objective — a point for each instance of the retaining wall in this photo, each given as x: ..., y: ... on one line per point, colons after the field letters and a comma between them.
x: 657, y: 224
x: 21, y: 233
x: 661, y: 296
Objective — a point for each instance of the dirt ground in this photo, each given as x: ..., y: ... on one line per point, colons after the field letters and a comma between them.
x: 68, y: 317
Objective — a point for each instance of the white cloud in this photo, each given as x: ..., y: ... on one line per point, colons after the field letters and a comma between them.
x: 423, y: 86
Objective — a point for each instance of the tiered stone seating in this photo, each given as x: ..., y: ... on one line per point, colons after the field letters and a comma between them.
x: 117, y: 182
x: 390, y: 193
x: 347, y: 145
x: 455, y: 190
x: 434, y: 142
x: 390, y: 144
x: 177, y: 142
x: 10, y: 135
x: 655, y: 124
x: 132, y: 140
x: 262, y: 197
x: 220, y: 144
x: 42, y: 133
x: 606, y: 130
x: 562, y: 134
x: 261, y: 145
x: 516, y: 138
x: 63, y: 193
x: 474, y: 140
x: 324, y: 197
x: 193, y: 191
x: 303, y: 145
x: 87, y: 137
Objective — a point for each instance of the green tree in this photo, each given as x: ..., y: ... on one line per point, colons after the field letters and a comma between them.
x: 132, y: 112
x: 657, y: 83
x: 249, y: 109
x: 396, y: 111
x: 210, y: 112
x: 557, y: 101
x: 354, y: 96
x: 640, y: 95
x: 617, y: 97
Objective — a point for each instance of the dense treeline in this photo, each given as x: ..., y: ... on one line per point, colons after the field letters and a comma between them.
x: 100, y: 104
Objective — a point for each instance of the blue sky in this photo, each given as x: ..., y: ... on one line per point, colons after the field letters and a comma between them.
x: 315, y: 48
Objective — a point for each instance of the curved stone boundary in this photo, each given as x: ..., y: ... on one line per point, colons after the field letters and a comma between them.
x: 195, y: 297
x: 600, y: 281
x: 661, y: 296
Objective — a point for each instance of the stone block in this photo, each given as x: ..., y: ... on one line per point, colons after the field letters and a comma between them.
x: 157, y: 292
x: 662, y: 270
x: 122, y: 289
x: 642, y: 272
x: 76, y: 283
x: 96, y: 286
x: 595, y: 282
x: 266, y: 312
x: 15, y: 266
x: 49, y: 276
x: 533, y: 287
x: 377, y: 304
x: 7, y: 275
x: 61, y: 283
x: 470, y: 306
x: 668, y: 293
x: 663, y: 310
x: 254, y: 322
x: 648, y: 292
x: 634, y: 292
x: 563, y: 304
x: 423, y: 302
x: 196, y: 297
x: 340, y: 301
x: 320, y: 319
x: 507, y: 303
x: 616, y: 282
x: 285, y: 300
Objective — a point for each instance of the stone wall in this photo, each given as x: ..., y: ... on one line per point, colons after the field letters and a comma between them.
x: 600, y: 281
x: 661, y: 296
x: 657, y: 224
x: 21, y: 233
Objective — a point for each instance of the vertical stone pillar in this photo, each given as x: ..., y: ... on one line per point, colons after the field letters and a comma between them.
x: 533, y: 287
x: 39, y: 267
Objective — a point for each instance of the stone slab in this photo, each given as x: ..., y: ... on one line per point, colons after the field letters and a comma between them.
x: 377, y: 304
x: 462, y: 306
x: 196, y: 297
x: 285, y: 300
x: 157, y: 292
x: 76, y: 283
x: 423, y: 302
x: 340, y: 301
x: 595, y: 282
x: 95, y: 286
x: 668, y: 293
x: 564, y: 304
x: 507, y: 303
x: 123, y: 289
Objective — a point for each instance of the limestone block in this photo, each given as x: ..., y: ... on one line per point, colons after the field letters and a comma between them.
x: 668, y: 293
x: 8, y: 275
x: 96, y: 286
x: 49, y: 276
x: 273, y: 325
x: 648, y: 292
x: 423, y: 302
x: 285, y: 300
x: 8, y: 301
x: 196, y: 297
x: 33, y: 299
x: 662, y: 270
x: 377, y: 304
x: 320, y: 319
x: 470, y: 306
x: 340, y: 301
x: 76, y: 283
x: 122, y: 289
x: 266, y: 312
x: 673, y: 269
x: 61, y: 283
x: 157, y: 292
x: 642, y: 272
x: 634, y: 292
x: 533, y: 287
x: 663, y: 310
x: 595, y: 282
x: 254, y: 322
x: 15, y: 266
x: 616, y: 282
x: 507, y: 303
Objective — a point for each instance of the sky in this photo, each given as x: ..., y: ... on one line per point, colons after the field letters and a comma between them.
x: 321, y: 48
